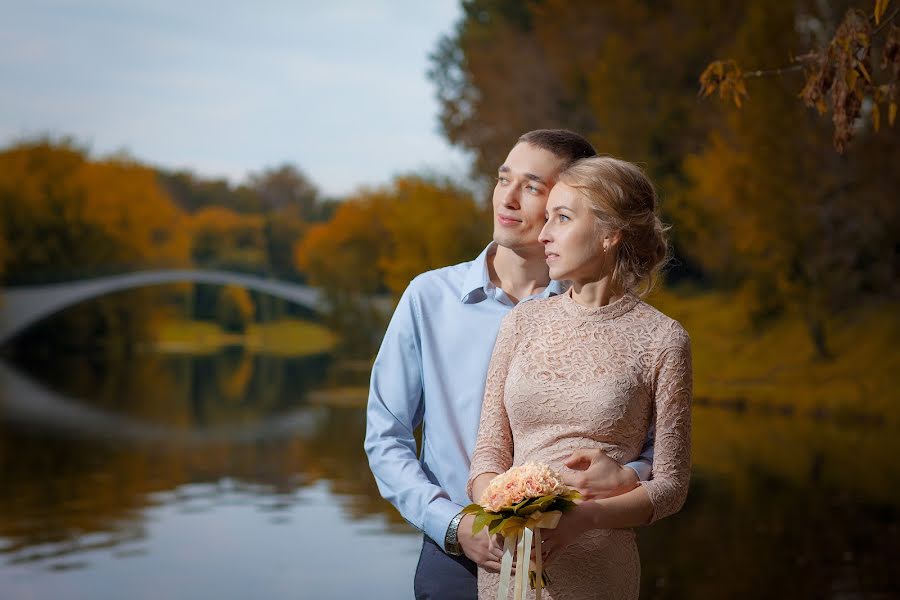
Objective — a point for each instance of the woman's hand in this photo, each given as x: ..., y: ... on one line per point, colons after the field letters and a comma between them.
x: 480, y: 484
x: 571, y: 525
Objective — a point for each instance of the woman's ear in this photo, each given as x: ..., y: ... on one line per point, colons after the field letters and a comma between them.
x: 612, y: 239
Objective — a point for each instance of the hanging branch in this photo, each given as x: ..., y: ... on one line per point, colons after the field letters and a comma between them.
x: 839, y: 77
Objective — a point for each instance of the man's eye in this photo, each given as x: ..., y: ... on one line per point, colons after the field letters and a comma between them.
x: 502, y: 180
x: 532, y: 189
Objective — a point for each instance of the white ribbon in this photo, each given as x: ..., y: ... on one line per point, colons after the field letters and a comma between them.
x: 523, y: 539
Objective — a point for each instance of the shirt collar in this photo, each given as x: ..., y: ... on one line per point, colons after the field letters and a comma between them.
x: 477, y: 284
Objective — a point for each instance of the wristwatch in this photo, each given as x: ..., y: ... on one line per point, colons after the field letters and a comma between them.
x: 451, y: 540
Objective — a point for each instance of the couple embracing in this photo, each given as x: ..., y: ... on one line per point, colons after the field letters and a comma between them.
x: 539, y: 350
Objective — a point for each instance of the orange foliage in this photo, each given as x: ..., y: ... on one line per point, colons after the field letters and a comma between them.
x: 388, y: 236
x: 221, y: 236
x: 59, y: 209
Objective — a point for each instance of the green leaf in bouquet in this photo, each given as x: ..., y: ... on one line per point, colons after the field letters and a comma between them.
x: 545, y: 502
x: 511, y: 524
x: 472, y: 509
x: 521, y: 505
x: 482, y: 520
x: 571, y: 495
x: 529, y: 510
x: 562, y: 504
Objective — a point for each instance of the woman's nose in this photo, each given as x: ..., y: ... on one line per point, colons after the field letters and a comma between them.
x: 544, y: 236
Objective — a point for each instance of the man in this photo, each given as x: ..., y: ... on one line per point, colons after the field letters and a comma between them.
x: 432, y: 366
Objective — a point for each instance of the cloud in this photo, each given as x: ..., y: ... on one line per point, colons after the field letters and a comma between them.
x: 231, y: 86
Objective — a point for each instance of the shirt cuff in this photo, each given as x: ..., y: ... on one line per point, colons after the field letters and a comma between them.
x: 437, y: 519
x: 642, y: 469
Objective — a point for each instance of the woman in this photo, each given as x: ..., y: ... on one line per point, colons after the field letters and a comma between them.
x: 595, y: 367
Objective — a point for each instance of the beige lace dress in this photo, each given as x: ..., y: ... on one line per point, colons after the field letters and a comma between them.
x: 564, y: 376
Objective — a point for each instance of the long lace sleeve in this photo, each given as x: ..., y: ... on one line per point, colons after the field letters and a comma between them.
x: 672, y: 400
x: 494, y: 446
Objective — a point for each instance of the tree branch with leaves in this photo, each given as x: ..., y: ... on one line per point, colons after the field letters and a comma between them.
x: 839, y: 76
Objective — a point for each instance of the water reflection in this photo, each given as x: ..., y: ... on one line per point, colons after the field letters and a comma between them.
x: 238, y: 474
x: 84, y: 473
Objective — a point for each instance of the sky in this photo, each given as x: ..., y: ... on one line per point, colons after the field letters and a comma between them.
x: 227, y: 88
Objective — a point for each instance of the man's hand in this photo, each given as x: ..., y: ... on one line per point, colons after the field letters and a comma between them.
x: 481, y: 547
x: 598, y: 475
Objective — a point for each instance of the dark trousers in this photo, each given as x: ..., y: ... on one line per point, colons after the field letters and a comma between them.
x: 440, y: 576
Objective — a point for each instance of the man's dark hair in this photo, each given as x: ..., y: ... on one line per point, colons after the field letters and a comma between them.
x: 563, y: 143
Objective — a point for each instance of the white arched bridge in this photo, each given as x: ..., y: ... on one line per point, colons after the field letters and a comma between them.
x: 21, y: 307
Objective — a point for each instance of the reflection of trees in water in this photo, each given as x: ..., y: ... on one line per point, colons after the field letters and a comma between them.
x: 803, y: 450
x: 790, y: 504
x: 772, y: 539
x: 58, y: 488
x: 780, y: 507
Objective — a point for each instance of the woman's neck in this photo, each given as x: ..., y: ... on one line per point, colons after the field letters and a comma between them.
x: 596, y: 293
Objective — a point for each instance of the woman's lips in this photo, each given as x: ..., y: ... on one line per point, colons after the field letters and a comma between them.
x: 550, y: 256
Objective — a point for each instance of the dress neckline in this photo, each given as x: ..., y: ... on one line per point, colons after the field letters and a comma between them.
x: 598, y: 313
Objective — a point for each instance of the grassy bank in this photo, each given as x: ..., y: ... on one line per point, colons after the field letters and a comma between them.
x: 776, y: 367
x: 287, y: 337
x: 773, y: 368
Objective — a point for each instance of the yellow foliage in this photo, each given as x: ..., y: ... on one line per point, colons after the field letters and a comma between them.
x: 429, y: 227
x: 388, y: 236
x: 221, y: 235
x: 66, y: 210
x: 127, y: 200
x: 343, y: 254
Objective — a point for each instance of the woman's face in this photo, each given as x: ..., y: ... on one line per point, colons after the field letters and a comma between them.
x: 573, y: 241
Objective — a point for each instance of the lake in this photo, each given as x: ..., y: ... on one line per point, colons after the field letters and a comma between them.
x: 234, y: 475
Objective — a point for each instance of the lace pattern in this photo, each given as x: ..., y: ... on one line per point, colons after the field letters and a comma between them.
x: 564, y: 376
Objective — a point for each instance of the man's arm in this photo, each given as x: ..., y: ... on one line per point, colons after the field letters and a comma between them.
x: 643, y: 466
x: 395, y: 409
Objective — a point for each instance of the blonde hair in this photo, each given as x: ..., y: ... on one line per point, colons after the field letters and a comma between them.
x: 624, y: 200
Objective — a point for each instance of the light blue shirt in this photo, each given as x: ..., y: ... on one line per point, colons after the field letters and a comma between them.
x: 432, y: 367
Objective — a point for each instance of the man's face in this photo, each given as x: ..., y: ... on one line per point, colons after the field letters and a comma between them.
x: 520, y: 197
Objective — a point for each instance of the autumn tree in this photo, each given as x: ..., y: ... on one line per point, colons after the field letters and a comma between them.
x: 289, y: 201
x: 193, y: 193
x: 621, y: 73
x: 283, y: 197
x: 223, y: 238
x: 286, y: 190
x: 840, y: 69
x: 759, y: 200
x: 770, y: 202
x: 64, y: 214
x: 378, y: 240
x: 342, y: 257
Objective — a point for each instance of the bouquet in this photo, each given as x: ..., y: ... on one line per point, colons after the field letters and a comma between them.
x: 517, y: 505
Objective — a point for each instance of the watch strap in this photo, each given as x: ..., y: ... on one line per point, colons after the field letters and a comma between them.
x: 451, y: 539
